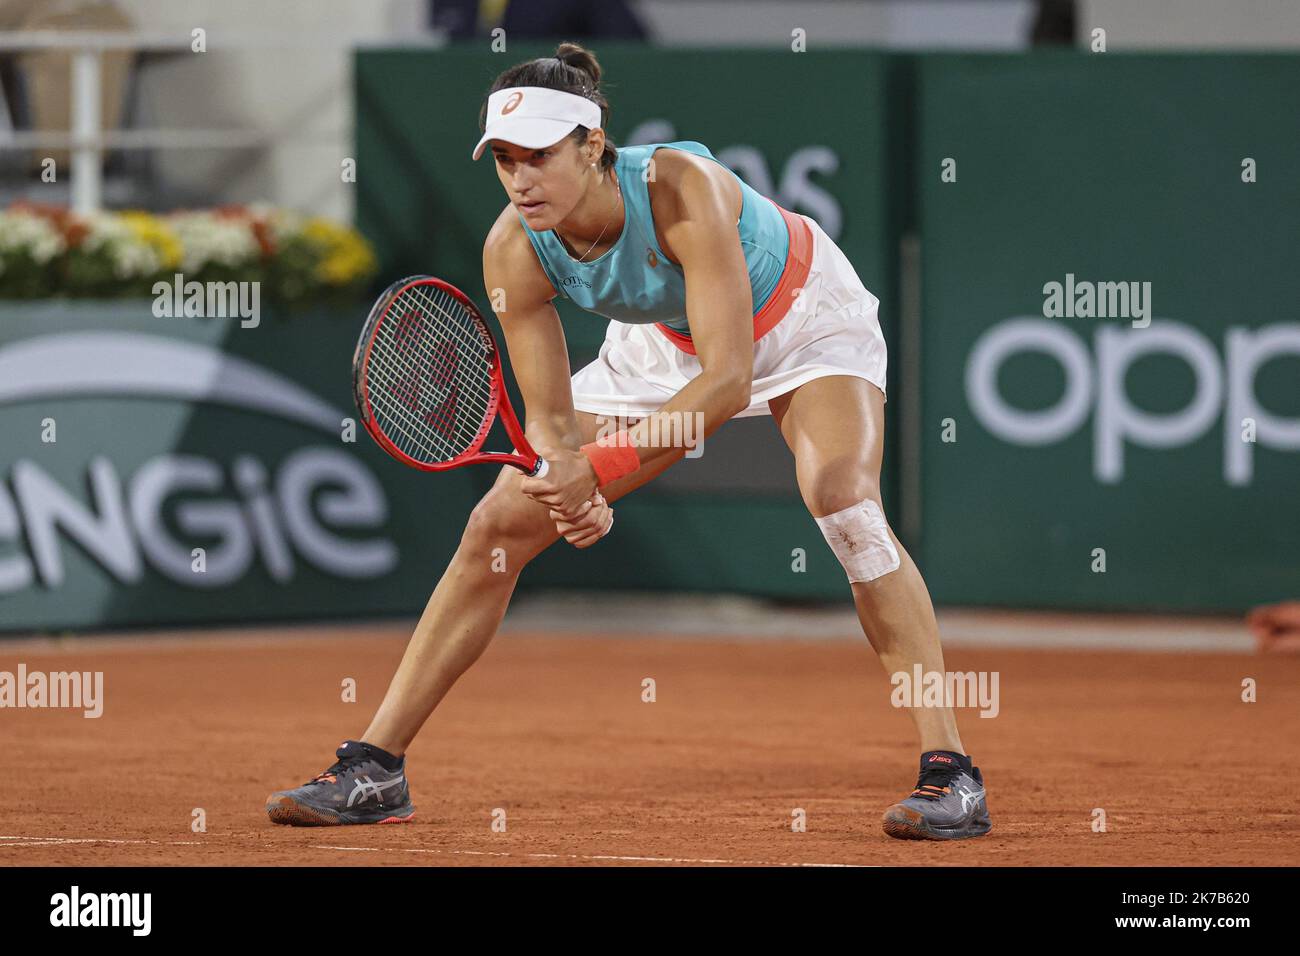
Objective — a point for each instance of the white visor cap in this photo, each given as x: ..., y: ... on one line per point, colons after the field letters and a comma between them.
x: 534, y: 116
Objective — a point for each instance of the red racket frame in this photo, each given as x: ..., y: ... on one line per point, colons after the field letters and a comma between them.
x: 527, y: 460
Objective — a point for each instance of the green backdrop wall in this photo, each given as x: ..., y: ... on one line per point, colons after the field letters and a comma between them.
x: 1119, y: 169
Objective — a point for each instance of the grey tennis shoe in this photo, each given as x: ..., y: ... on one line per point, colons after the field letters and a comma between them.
x: 357, y: 789
x: 947, y: 804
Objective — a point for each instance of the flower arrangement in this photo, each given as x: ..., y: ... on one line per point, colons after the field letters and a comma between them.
x: 300, y: 260
x: 31, y: 249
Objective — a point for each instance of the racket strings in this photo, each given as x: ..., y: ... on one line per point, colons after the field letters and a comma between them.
x: 429, y: 402
x: 397, y: 398
x: 452, y: 315
x: 394, y: 400
x: 429, y: 375
x: 456, y: 325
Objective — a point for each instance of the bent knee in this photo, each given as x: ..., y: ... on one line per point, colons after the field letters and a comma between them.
x: 860, y: 537
x: 505, y: 519
x: 829, y: 490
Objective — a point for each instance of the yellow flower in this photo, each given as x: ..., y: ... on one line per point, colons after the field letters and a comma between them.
x: 155, y: 233
x: 345, y: 254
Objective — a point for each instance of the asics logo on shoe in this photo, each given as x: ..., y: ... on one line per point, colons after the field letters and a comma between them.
x: 970, y: 798
x: 940, y: 758
x: 366, y: 788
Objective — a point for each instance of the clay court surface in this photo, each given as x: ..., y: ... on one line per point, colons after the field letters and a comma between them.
x: 552, y: 730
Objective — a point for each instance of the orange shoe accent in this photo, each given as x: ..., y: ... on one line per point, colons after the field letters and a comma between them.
x: 798, y: 263
x: 931, y: 789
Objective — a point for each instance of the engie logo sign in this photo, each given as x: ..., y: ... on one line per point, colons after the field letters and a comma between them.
x: 1095, y: 384
x: 314, y: 508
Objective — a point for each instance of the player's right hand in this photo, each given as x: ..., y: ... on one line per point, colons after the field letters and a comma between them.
x: 588, y: 525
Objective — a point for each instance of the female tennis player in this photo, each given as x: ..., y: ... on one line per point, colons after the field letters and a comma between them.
x: 722, y: 304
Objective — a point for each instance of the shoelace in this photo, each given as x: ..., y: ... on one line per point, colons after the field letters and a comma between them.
x: 934, y: 782
x: 331, y: 775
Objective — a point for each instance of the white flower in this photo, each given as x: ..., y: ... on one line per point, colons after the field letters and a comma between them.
x: 129, y: 256
x: 35, y: 235
x: 206, y: 238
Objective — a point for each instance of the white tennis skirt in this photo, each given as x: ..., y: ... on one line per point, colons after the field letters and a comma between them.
x: 832, y: 329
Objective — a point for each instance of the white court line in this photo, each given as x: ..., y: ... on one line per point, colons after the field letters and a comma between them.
x: 577, y: 856
x: 62, y: 841
x: 65, y: 841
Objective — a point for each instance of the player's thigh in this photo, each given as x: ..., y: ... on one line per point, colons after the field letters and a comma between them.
x: 835, y: 428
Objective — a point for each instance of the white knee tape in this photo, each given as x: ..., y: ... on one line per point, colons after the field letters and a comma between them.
x: 859, y: 536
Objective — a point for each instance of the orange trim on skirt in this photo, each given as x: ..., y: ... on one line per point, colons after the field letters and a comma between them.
x: 798, y: 263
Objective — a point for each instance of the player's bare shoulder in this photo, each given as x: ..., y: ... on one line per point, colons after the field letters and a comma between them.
x: 682, y: 185
x: 678, y: 175
x: 510, y: 262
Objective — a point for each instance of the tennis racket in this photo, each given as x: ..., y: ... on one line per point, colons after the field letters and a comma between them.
x: 427, y: 380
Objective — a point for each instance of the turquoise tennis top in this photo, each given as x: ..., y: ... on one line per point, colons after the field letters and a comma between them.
x: 634, y: 281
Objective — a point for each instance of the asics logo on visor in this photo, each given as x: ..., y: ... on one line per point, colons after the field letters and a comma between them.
x: 515, y: 99
x: 367, y: 788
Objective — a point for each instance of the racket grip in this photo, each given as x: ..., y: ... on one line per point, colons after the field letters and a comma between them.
x: 540, y: 470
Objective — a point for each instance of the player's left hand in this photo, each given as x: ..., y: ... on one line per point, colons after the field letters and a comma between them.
x: 594, y: 523
x: 569, y: 483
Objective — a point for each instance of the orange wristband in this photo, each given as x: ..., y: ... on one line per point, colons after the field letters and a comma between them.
x: 612, y: 457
